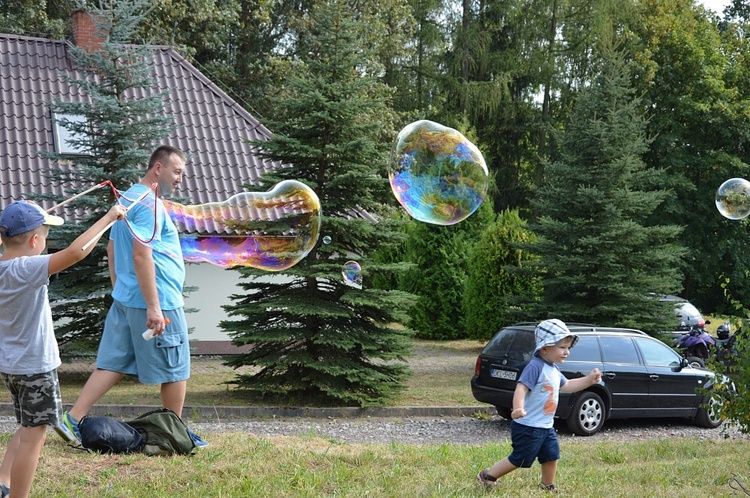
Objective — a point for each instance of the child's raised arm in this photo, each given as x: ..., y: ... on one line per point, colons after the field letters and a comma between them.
x: 74, y: 252
x: 574, y: 385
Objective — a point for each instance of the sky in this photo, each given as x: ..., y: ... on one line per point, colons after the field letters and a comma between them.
x: 715, y: 5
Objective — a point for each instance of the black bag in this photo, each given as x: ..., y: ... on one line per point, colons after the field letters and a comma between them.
x: 163, y: 432
x: 108, y: 435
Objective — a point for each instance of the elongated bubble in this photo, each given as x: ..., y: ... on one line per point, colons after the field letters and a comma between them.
x: 436, y: 174
x: 733, y: 198
x: 270, y: 231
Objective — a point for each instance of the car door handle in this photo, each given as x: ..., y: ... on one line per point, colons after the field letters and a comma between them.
x: 654, y: 377
x: 610, y: 375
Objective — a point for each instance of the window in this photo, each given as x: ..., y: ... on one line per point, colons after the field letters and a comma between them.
x: 63, y: 135
x: 586, y: 349
x: 619, y: 350
x: 658, y: 354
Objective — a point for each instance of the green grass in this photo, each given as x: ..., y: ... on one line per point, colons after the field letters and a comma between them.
x: 243, y: 465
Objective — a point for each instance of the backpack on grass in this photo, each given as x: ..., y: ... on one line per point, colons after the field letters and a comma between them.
x: 109, y: 435
x: 163, y: 433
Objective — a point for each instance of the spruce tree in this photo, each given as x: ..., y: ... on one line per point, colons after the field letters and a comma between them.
x: 602, y: 258
x: 498, y: 290
x: 117, y: 132
x: 315, y: 338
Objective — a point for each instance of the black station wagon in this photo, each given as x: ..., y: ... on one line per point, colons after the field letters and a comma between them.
x: 641, y: 377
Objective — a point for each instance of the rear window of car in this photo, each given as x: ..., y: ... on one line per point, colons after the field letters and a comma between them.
x: 513, y: 344
x: 586, y: 349
x: 619, y: 350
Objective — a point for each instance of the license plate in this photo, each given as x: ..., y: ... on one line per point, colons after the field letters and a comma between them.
x: 503, y: 374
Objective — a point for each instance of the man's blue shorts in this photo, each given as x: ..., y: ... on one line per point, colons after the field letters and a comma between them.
x: 532, y: 442
x: 165, y: 358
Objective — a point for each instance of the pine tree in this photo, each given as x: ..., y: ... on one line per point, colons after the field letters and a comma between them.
x: 498, y: 290
x: 118, y: 133
x: 602, y: 258
x: 440, y: 256
x: 314, y: 337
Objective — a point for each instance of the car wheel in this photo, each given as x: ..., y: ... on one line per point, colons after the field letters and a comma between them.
x: 696, y: 362
x: 708, y: 412
x: 587, y: 416
x: 503, y: 412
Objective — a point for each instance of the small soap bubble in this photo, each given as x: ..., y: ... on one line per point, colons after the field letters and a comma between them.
x: 733, y: 198
x: 271, y: 230
x: 436, y: 173
x: 352, y: 272
x: 326, y: 240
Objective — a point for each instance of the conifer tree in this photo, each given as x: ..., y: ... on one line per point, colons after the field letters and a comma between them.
x: 117, y: 132
x: 602, y: 258
x: 315, y: 338
x: 498, y: 290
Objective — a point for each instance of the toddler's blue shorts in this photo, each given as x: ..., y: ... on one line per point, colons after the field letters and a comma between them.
x: 165, y: 358
x: 532, y: 442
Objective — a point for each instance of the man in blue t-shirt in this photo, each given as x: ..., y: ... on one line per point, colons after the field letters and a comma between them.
x: 147, y: 273
x: 534, y: 404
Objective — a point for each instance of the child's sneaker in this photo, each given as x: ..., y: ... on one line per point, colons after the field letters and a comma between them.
x: 197, y: 441
x: 68, y: 430
x: 4, y: 490
x: 486, y: 480
x: 548, y: 487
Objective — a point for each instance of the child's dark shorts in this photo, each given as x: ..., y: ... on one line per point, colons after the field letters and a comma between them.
x: 36, y: 398
x: 532, y: 442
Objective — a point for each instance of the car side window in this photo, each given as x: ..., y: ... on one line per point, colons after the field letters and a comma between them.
x: 586, y: 349
x: 619, y: 350
x: 657, y: 354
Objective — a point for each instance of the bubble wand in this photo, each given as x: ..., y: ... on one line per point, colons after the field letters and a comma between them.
x: 105, y: 183
x: 139, y: 199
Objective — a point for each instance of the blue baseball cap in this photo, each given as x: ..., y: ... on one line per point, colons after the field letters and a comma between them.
x: 22, y: 216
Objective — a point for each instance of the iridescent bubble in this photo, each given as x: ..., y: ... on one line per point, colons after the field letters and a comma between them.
x: 326, y: 239
x: 733, y: 198
x: 270, y: 230
x: 352, y: 272
x: 436, y: 174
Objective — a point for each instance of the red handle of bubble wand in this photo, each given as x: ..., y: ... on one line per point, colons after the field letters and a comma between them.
x: 101, y: 232
x: 103, y: 184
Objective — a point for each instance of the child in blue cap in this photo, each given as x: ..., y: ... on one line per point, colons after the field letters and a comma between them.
x: 534, y: 404
x: 29, y: 356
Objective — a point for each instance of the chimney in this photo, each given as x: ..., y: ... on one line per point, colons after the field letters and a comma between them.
x: 86, y: 33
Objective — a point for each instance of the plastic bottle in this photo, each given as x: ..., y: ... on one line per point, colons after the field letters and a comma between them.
x: 148, y: 334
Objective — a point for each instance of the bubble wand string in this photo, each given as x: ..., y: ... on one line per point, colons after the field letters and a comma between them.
x: 139, y: 199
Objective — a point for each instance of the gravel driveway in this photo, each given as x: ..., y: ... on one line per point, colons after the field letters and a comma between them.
x: 464, y: 430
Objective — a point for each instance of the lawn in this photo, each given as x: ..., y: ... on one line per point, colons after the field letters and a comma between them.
x: 243, y: 465
x: 246, y: 465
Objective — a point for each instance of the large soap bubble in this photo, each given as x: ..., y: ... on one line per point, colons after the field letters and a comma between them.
x: 733, y: 198
x: 270, y: 230
x: 436, y: 174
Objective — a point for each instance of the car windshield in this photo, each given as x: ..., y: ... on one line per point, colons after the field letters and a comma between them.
x: 512, y: 344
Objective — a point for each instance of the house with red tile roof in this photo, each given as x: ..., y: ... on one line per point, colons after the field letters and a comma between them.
x: 211, y: 129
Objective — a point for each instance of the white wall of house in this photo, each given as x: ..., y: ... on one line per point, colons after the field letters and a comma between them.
x: 215, y: 285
